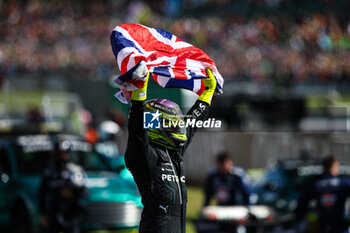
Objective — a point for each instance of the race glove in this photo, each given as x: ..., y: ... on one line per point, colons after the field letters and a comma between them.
x: 141, y: 93
x: 210, y: 85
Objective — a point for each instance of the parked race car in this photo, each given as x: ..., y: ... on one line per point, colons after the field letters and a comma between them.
x: 113, y: 201
x: 282, y: 185
x: 277, y: 194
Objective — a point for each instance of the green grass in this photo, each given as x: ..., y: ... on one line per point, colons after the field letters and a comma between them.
x: 195, y: 198
x: 316, y: 101
x: 15, y: 100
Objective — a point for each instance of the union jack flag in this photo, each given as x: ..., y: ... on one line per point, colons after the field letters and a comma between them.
x: 173, y: 63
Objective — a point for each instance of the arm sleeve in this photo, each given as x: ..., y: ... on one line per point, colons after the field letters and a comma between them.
x: 246, y: 191
x: 199, y: 111
x: 138, y: 139
x: 208, y: 191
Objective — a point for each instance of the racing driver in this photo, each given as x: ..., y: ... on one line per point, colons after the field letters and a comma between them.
x: 155, y: 157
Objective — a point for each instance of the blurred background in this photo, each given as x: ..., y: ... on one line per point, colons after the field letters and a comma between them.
x: 286, y: 65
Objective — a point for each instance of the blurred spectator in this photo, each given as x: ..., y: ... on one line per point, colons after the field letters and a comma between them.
x: 61, y: 192
x: 227, y: 183
x: 77, y: 120
x: 330, y: 192
x: 248, y: 43
x: 34, y: 115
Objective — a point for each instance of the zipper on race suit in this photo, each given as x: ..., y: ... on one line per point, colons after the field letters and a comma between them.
x: 178, y: 178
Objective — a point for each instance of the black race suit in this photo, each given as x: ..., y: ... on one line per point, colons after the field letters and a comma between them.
x: 228, y: 189
x: 159, y: 173
x: 330, y: 193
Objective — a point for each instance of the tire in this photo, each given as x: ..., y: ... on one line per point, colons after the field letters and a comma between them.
x: 21, y: 220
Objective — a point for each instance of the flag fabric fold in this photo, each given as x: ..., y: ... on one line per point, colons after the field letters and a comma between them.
x: 172, y: 62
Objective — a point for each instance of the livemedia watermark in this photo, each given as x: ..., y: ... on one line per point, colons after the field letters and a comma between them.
x: 153, y: 120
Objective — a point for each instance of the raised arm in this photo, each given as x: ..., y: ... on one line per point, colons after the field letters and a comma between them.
x: 200, y: 109
x: 138, y: 140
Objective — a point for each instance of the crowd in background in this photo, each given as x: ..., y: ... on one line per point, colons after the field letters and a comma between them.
x: 73, y: 37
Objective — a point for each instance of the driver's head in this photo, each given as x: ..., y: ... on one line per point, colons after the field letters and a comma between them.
x: 224, y: 162
x: 331, y: 165
x: 170, y: 135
